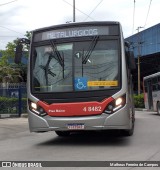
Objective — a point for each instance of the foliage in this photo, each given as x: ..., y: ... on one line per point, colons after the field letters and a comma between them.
x: 139, y: 101
x: 10, y: 105
x: 9, y: 99
x: 13, y: 73
x: 10, y: 75
x: 3, y: 59
x: 10, y: 48
x: 28, y: 35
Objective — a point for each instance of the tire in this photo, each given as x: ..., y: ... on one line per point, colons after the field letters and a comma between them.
x: 158, y: 108
x: 62, y: 133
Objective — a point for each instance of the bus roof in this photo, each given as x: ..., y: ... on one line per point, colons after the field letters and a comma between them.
x: 152, y: 75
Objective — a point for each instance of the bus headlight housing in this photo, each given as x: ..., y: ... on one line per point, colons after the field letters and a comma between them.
x: 115, y: 105
x: 34, y: 107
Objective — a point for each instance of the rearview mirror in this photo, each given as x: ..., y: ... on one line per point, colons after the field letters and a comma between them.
x: 131, y: 60
x: 18, y: 54
x: 129, y: 56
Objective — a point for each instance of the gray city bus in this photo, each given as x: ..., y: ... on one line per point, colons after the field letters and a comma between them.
x: 152, y: 92
x: 79, y: 78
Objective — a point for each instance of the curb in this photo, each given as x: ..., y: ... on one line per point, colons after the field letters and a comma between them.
x: 24, y: 115
x: 8, y: 115
x: 140, y: 109
x: 3, y: 116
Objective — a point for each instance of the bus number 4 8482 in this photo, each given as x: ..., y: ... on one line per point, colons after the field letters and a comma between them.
x: 92, y: 109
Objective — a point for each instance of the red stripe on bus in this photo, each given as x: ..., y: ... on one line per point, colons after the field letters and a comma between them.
x: 75, y: 109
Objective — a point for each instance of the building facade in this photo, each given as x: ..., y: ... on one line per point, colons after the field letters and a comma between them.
x: 146, y: 45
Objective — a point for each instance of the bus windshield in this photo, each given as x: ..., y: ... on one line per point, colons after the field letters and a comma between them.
x: 76, y: 66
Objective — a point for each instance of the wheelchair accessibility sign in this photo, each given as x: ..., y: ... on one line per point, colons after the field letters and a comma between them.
x: 80, y: 83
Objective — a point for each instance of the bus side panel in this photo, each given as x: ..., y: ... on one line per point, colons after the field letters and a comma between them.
x: 146, y: 101
x: 156, y: 97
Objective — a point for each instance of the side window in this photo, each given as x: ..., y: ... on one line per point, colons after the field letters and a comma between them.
x: 155, y: 83
x: 154, y: 80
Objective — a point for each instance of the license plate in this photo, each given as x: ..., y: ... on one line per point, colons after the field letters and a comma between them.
x: 74, y: 126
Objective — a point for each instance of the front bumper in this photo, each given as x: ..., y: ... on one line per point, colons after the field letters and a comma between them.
x: 118, y: 120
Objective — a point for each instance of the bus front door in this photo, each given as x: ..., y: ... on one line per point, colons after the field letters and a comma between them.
x: 150, y: 98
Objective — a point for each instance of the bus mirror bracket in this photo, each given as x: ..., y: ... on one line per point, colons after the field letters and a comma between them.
x: 130, y: 56
x: 18, y: 54
x: 19, y: 49
x: 131, y: 61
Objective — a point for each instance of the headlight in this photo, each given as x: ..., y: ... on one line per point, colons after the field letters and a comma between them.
x: 119, y: 101
x: 34, y: 107
x: 115, y: 105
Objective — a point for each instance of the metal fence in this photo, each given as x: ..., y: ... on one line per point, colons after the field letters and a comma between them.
x: 13, y: 99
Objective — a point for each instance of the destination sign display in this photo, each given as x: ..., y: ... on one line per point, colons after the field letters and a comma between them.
x: 76, y: 32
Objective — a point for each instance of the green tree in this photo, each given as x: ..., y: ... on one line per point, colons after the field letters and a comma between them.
x: 3, y: 59
x: 13, y: 73
x: 10, y: 75
x: 28, y: 36
x: 10, y: 48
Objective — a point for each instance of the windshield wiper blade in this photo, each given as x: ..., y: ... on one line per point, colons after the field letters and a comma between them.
x: 59, y: 58
x: 91, y: 48
x: 47, y: 70
x: 58, y: 55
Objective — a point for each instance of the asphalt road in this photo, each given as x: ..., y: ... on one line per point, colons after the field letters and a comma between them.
x: 18, y: 144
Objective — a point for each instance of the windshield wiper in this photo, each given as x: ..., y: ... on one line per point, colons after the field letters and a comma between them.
x: 47, y: 70
x: 58, y: 55
x: 91, y: 48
